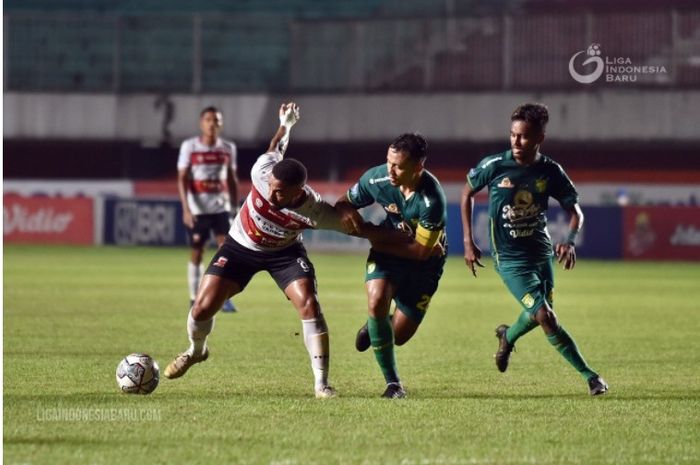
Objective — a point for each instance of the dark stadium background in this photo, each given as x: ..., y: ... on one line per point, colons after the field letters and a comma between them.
x: 100, y: 94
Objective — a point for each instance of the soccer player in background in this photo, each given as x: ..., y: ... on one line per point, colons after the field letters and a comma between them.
x: 265, y: 236
x: 407, y: 271
x: 520, y: 182
x: 208, y: 187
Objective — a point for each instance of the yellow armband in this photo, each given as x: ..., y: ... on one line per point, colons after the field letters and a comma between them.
x: 426, y: 237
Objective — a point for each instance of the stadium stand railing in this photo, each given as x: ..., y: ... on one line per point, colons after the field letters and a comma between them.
x: 250, y: 49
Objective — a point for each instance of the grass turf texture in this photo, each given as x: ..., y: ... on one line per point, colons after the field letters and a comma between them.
x: 71, y: 314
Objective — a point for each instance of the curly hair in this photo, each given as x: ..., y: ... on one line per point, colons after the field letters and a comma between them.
x: 534, y: 113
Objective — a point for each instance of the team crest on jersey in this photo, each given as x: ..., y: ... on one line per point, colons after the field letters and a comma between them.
x: 221, y: 262
x: 528, y: 300
x: 541, y: 185
x: 258, y: 203
x: 505, y: 182
x: 392, y: 208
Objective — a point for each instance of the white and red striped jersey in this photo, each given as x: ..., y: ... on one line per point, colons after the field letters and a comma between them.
x: 208, y: 189
x: 263, y: 227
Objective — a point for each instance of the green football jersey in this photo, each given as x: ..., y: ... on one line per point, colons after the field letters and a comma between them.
x: 423, y: 213
x: 518, y: 199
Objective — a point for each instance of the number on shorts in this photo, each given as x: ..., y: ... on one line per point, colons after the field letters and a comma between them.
x: 423, y: 303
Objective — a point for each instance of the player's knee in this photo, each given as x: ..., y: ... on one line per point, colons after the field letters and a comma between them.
x: 196, y: 256
x: 309, y: 308
x: 204, y: 308
x: 377, y: 303
x: 546, y: 318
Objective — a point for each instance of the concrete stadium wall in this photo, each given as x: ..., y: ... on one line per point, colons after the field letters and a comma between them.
x: 605, y: 115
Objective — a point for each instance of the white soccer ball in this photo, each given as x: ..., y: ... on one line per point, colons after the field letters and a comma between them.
x: 138, y: 374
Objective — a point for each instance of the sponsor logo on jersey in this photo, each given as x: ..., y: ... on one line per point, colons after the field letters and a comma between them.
x: 505, y: 182
x: 493, y: 160
x: 541, y: 185
x: 528, y: 300
x: 376, y: 180
x: 221, y: 262
x: 392, y: 208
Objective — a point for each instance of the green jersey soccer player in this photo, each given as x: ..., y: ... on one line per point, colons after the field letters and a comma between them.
x: 520, y: 183
x: 405, y: 271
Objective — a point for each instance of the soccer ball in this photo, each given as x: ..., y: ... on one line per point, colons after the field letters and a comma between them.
x: 138, y: 374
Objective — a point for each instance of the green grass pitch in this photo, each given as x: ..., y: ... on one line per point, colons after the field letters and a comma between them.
x: 71, y: 314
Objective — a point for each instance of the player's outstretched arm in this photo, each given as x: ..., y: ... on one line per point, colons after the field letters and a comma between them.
x: 566, y: 251
x: 289, y: 115
x: 472, y: 253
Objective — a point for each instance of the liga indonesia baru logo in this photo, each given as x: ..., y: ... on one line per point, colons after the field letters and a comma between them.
x: 615, y: 69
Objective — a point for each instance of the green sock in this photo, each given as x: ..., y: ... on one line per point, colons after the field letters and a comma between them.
x: 568, y: 349
x: 522, y: 326
x: 381, y: 335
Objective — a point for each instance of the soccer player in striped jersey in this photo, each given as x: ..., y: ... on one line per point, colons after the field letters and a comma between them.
x: 208, y: 191
x: 266, y: 236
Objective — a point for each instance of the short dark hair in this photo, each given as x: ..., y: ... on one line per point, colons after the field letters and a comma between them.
x: 534, y: 113
x: 290, y: 171
x: 413, y: 144
x: 210, y: 109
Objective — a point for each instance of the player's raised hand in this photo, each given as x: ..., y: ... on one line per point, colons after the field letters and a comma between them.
x: 289, y: 114
x: 472, y: 257
x: 566, y: 253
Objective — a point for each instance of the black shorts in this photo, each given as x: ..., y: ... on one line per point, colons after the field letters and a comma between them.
x: 204, y: 225
x: 237, y: 263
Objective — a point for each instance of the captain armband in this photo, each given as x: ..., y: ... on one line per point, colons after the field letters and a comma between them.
x: 426, y: 237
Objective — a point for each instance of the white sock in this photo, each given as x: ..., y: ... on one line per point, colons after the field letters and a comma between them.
x: 316, y: 342
x: 194, y: 274
x: 198, y: 332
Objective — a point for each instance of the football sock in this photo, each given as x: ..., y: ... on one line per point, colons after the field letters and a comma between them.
x: 522, y: 326
x: 194, y: 274
x: 198, y: 332
x: 568, y: 349
x: 381, y: 335
x: 316, y: 342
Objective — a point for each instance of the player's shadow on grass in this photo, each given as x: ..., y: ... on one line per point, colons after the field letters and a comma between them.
x: 112, y: 396
x: 611, y: 397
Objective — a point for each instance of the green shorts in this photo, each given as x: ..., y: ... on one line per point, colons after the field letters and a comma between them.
x: 416, y: 282
x: 531, y: 284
